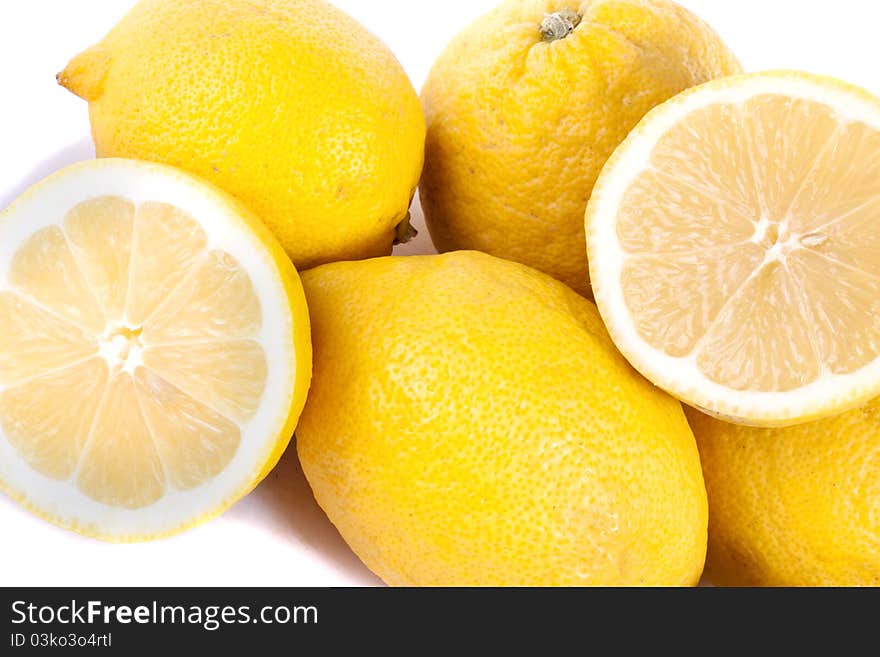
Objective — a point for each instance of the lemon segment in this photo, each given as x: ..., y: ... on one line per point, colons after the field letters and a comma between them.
x: 34, y: 341
x: 228, y: 376
x: 203, y: 442
x: 189, y: 314
x: 49, y: 418
x: 99, y: 233
x: 732, y: 245
x: 44, y: 270
x: 121, y: 467
x: 155, y: 353
x: 166, y: 245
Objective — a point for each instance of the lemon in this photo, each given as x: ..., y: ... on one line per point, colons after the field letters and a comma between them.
x: 525, y: 106
x: 470, y: 423
x: 796, y: 506
x: 291, y: 106
x: 734, y: 250
x: 154, y: 350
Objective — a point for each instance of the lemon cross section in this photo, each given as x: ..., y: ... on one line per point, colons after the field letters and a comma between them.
x: 146, y: 382
x: 735, y: 250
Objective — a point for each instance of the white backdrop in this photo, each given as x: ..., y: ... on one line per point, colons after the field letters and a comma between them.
x: 278, y: 536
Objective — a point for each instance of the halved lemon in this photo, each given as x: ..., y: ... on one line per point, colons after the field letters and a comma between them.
x: 154, y: 350
x: 734, y: 247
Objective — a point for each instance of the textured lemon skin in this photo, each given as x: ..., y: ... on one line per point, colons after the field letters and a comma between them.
x: 290, y: 106
x: 469, y: 423
x: 519, y: 129
x: 300, y: 339
x: 798, y: 506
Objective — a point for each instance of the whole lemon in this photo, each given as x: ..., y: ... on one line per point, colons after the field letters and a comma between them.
x: 289, y: 105
x: 527, y: 104
x: 798, y: 506
x: 470, y: 423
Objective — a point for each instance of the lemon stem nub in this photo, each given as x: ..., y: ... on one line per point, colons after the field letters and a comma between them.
x: 560, y: 24
x: 405, y: 231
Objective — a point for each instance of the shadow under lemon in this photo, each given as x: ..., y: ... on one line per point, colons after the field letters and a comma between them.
x: 286, y: 508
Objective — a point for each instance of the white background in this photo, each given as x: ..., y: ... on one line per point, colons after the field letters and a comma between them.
x: 278, y: 536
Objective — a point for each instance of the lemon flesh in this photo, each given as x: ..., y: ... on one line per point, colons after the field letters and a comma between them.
x: 735, y: 256
x: 142, y: 382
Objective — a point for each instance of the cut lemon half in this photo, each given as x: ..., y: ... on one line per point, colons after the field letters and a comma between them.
x: 734, y: 247
x: 154, y: 350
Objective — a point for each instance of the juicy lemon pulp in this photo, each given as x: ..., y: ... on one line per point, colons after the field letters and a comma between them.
x: 761, y: 227
x: 128, y: 352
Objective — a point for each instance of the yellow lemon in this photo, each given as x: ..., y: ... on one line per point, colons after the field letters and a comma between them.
x: 798, y: 506
x: 734, y: 250
x: 154, y: 350
x: 525, y: 106
x: 470, y: 423
x: 289, y: 105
